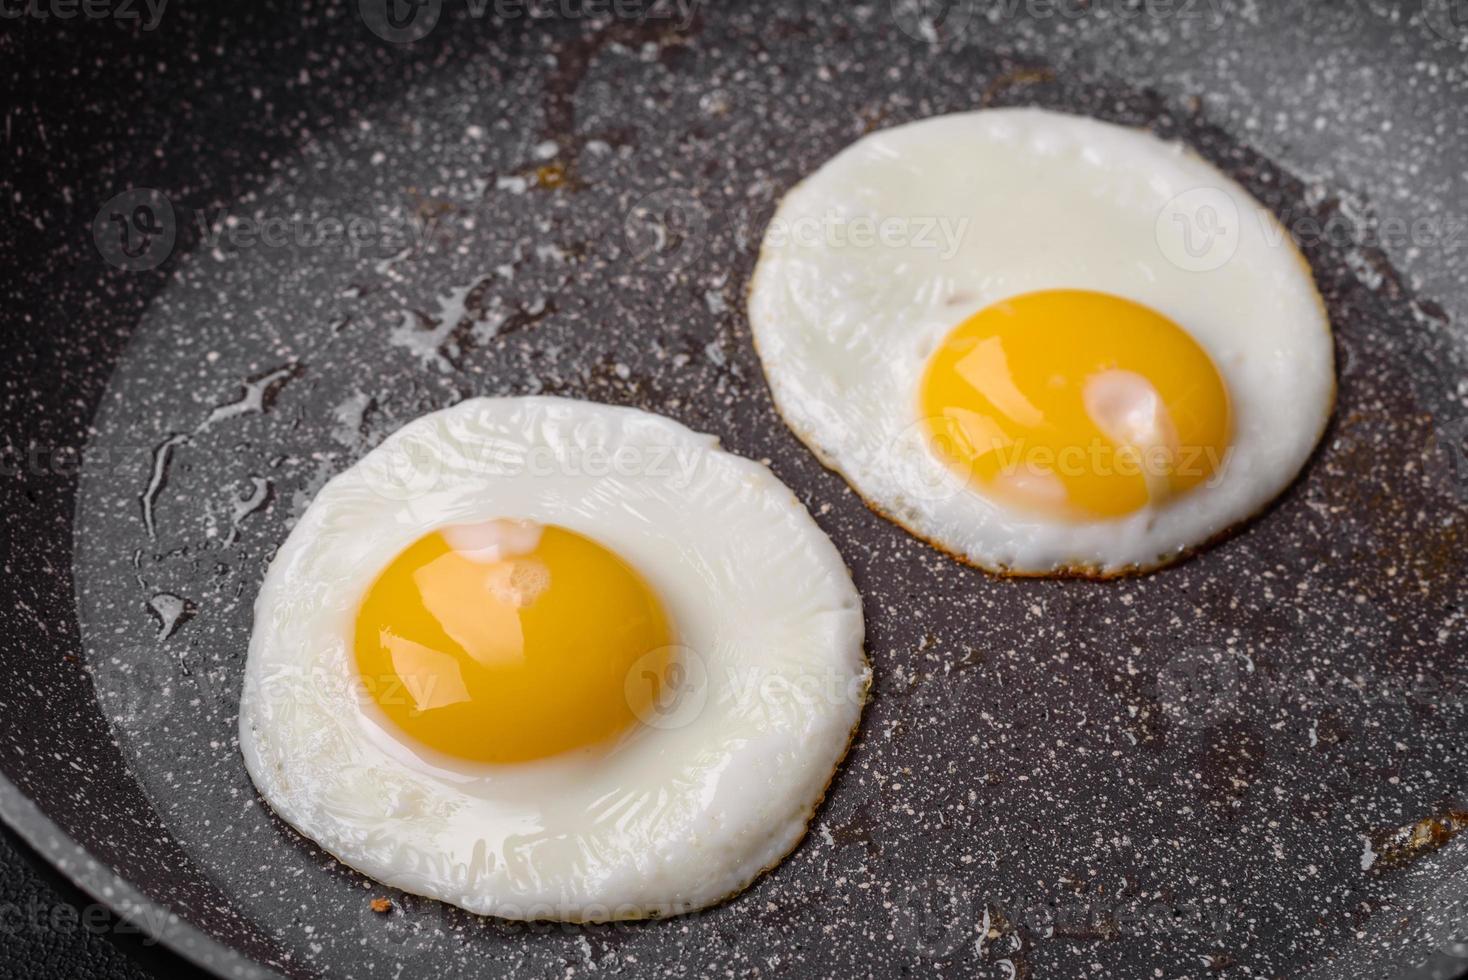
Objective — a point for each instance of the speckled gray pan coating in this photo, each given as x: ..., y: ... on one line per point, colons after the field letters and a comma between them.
x: 1234, y: 739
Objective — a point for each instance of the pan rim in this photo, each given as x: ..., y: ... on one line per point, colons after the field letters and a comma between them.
x: 96, y: 878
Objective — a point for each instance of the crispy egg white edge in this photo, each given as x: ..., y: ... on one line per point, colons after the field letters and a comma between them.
x: 867, y: 435
x: 313, y: 754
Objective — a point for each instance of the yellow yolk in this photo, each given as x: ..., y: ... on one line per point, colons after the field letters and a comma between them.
x: 1074, y: 404
x: 508, y: 641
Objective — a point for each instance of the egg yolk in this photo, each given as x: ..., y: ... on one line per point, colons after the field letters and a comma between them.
x: 1075, y: 405
x: 508, y: 641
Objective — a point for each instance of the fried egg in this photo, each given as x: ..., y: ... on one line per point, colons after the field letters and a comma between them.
x: 546, y: 659
x: 1045, y: 344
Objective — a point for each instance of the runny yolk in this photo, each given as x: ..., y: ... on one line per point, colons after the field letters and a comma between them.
x: 1075, y: 405
x: 508, y: 641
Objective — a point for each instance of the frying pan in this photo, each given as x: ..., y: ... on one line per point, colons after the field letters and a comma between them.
x: 245, y: 242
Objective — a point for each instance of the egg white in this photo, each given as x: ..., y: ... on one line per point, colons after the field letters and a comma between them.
x: 987, y: 205
x: 686, y: 810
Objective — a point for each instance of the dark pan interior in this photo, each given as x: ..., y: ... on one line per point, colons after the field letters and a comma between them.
x: 1250, y: 764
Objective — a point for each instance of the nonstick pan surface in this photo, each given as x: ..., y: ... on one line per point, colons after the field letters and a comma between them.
x: 1251, y: 764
